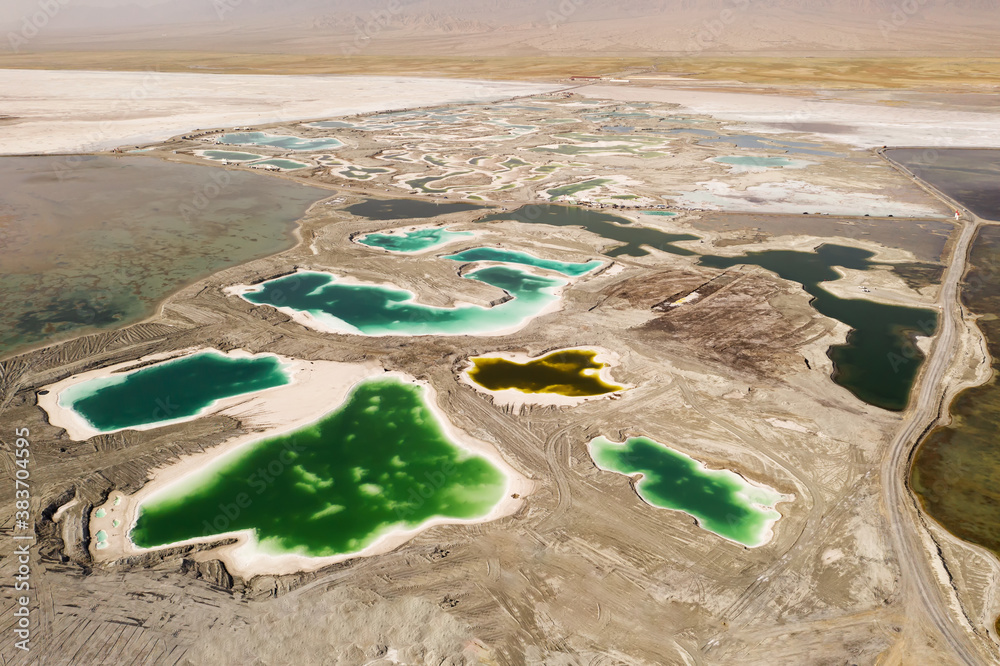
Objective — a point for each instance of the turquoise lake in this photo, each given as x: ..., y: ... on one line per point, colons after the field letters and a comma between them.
x: 286, y: 142
x: 567, y: 268
x: 417, y: 240
x: 170, y: 390
x: 376, y: 310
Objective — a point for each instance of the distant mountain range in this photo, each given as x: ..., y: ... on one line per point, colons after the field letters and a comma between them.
x: 523, y: 27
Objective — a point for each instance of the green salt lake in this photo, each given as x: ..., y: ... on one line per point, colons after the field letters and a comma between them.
x: 379, y: 462
x: 721, y: 501
x: 631, y: 237
x: 880, y: 361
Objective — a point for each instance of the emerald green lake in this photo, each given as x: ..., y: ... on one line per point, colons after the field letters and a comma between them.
x: 613, y: 227
x: 379, y: 462
x: 721, y: 501
x: 417, y: 240
x: 879, y: 361
x: 567, y: 268
x: 171, y: 390
x: 377, y: 310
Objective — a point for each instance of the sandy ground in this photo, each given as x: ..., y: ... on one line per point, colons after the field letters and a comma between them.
x: 863, y: 125
x: 517, y: 399
x: 79, y: 111
x: 281, y: 411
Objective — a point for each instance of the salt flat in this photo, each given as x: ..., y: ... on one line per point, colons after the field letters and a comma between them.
x: 80, y: 111
x: 863, y: 125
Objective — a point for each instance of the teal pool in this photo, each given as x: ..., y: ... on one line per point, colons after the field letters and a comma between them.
x: 334, y: 305
x: 283, y: 164
x: 568, y: 269
x: 721, y: 501
x: 417, y: 240
x: 172, y: 390
x: 755, y: 162
x: 230, y: 156
x: 273, y: 141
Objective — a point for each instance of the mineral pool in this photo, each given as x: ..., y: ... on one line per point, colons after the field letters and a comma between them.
x: 171, y: 390
x: 721, y: 501
x: 568, y: 372
x: 369, y: 309
x: 380, y: 462
x: 569, y: 269
x: 417, y: 240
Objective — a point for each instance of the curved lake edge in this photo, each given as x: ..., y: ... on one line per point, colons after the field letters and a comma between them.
x: 467, y: 235
x: 79, y: 428
x: 328, y: 391
x: 308, y: 320
x: 516, y: 398
x: 987, y: 374
x: 156, y: 306
x: 636, y: 479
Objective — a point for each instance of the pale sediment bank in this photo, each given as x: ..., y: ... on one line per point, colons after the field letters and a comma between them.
x: 517, y: 398
x: 88, y: 111
x: 868, y: 125
x: 279, y: 413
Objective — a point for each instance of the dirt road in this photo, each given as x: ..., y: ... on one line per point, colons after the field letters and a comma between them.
x: 916, y: 569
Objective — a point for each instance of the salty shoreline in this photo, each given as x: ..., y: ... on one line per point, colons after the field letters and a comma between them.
x: 308, y: 320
